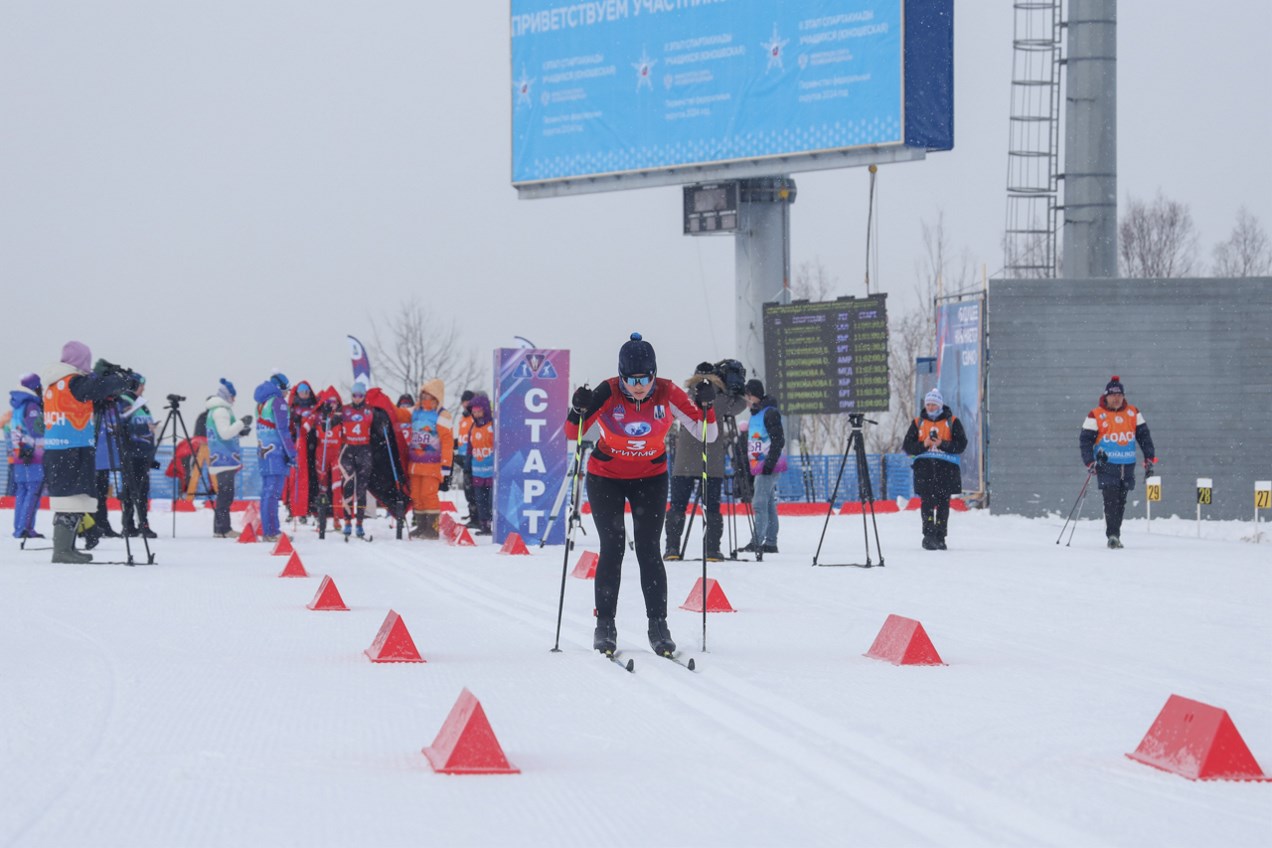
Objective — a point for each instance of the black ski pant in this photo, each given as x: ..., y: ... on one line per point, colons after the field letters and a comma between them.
x: 935, y: 510
x: 1115, y: 482
x: 682, y: 489
x: 136, y: 494
x: 648, y: 497
x: 470, y: 489
x: 101, y: 518
x: 355, y: 463
x: 224, y: 498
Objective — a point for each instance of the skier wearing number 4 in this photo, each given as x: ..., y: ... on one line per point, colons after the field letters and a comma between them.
x: 634, y: 411
x: 1108, y: 440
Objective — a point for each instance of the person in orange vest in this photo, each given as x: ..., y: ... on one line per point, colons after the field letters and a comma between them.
x: 71, y: 388
x: 480, y: 463
x: 431, y: 450
x: 1109, y: 435
x: 935, y: 440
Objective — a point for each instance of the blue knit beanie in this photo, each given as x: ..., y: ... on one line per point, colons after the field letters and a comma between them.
x: 226, y: 392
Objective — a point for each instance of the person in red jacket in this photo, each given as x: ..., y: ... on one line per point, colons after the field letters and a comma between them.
x: 634, y: 412
x: 328, y: 443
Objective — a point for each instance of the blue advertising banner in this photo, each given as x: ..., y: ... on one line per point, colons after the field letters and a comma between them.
x: 959, y: 339
x: 532, y: 397
x: 610, y: 86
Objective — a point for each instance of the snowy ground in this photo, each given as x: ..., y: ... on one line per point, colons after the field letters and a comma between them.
x: 198, y: 702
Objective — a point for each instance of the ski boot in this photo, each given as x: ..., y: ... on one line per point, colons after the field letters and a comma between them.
x: 1115, y: 542
x: 359, y: 532
x: 605, y: 639
x: 671, y: 554
x: 64, y: 540
x: 715, y: 556
x: 660, y: 637
x: 348, y: 530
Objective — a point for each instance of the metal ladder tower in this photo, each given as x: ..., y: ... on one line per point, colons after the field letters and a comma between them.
x: 1029, y: 243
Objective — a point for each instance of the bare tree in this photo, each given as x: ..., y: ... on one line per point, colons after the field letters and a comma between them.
x: 1247, y: 252
x: 1157, y: 240
x: 414, y: 346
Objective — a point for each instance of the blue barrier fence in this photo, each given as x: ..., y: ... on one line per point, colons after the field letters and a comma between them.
x: 807, y: 478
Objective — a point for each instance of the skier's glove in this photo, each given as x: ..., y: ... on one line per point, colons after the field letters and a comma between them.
x: 704, y: 394
x: 1150, y: 467
x: 582, y: 400
x: 444, y: 486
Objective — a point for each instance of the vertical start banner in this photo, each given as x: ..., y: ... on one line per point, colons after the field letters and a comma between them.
x: 960, y: 341
x: 532, y: 397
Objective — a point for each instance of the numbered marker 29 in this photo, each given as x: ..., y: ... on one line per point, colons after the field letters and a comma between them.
x: 1154, y: 485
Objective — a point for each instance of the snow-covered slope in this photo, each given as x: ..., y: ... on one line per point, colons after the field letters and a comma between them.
x: 198, y: 702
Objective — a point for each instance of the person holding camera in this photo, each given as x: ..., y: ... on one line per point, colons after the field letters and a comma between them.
x: 765, y: 440
x: 634, y: 413
x: 225, y: 456
x: 26, y: 455
x: 686, y: 472
x: 276, y: 449
x: 70, y: 441
x: 137, y: 442
x: 935, y: 440
x: 1107, y: 442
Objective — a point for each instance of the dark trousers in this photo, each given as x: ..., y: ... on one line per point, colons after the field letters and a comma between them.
x: 682, y: 489
x: 935, y: 510
x: 101, y: 518
x: 355, y: 464
x: 648, y: 499
x: 1115, y: 482
x: 136, y: 494
x: 470, y: 488
x: 224, y: 497
x: 482, y: 496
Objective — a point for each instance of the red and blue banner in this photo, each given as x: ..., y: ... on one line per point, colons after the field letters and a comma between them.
x: 532, y: 454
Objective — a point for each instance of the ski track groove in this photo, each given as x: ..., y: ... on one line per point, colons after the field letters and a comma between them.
x: 88, y: 768
x: 889, y: 777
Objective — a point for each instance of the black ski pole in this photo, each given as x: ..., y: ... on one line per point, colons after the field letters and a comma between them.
x: 1077, y: 506
x: 574, y: 486
x: 703, y: 498
x: 397, y: 482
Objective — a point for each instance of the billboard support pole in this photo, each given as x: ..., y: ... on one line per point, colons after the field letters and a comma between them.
x: 762, y: 260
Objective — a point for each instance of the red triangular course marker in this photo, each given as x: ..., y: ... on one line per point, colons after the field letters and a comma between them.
x: 585, y: 568
x: 182, y: 505
x: 716, y: 601
x: 252, y: 516
x: 294, y: 567
x: 514, y: 545
x: 447, y: 528
x: 466, y: 744
x: 393, y: 643
x: 283, y: 546
x: 248, y: 535
x: 903, y: 641
x: 328, y: 597
x: 462, y: 537
x: 1197, y: 741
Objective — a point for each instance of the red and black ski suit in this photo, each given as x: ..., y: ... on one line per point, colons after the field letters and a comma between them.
x: 629, y: 465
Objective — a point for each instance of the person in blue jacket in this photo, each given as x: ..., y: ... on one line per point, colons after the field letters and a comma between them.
x: 276, y: 449
x: 27, y: 457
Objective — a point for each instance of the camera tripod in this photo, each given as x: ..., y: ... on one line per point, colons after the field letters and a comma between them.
x: 735, y: 490
x: 115, y: 462
x: 857, y: 446
x: 175, y: 420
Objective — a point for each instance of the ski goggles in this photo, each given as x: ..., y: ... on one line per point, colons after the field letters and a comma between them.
x: 644, y: 380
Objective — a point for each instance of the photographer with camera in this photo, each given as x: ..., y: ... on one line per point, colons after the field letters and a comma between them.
x: 70, y: 441
x: 687, y: 465
x: 935, y: 439
x: 137, y: 440
x: 225, y: 456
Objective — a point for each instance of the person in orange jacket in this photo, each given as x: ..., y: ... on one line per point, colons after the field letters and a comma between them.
x: 430, y: 450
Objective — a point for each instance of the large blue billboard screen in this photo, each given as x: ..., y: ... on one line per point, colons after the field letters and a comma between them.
x: 614, y: 86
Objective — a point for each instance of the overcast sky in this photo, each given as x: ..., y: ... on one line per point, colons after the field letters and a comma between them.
x: 216, y: 189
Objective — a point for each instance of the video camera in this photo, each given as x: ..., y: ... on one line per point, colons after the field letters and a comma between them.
x: 132, y: 380
x: 733, y: 374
